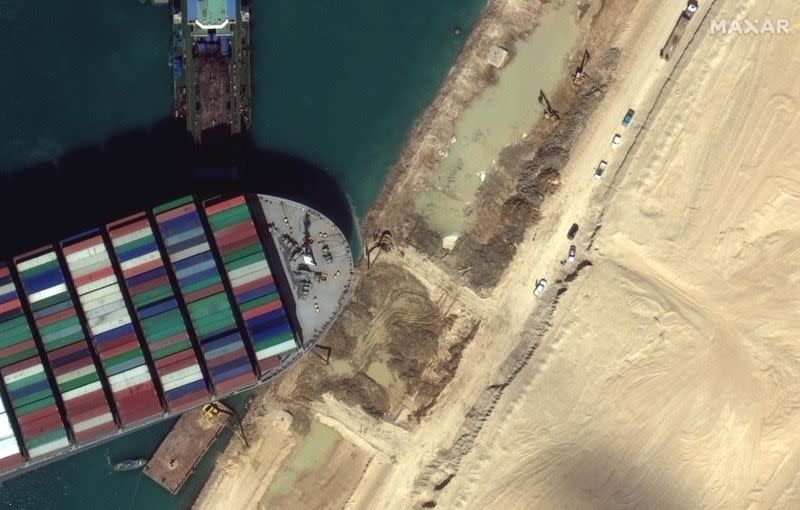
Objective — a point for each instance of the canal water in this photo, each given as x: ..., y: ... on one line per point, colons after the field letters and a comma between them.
x: 338, y: 85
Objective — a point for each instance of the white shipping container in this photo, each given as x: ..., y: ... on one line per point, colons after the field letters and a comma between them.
x: 88, y: 265
x: 189, y: 252
x: 87, y: 252
x: 129, y: 378
x: 49, y: 447
x: 79, y: 372
x: 8, y: 447
x: 83, y: 390
x: 22, y: 374
x: 276, y: 349
x: 92, y: 422
x: 5, y: 289
x: 37, y: 261
x: 98, y: 284
x: 118, y: 241
x: 109, y: 321
x: 257, y: 267
x: 46, y: 293
x: 183, y: 376
x: 247, y: 278
x: 101, y: 309
x: 5, y: 426
x: 142, y: 259
x: 101, y: 294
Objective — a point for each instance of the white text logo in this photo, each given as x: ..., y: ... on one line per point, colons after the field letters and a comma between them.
x: 748, y: 26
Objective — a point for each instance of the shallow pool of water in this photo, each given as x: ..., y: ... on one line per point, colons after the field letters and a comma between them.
x: 499, y: 117
x: 313, y: 451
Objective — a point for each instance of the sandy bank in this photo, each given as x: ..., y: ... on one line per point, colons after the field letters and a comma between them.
x: 417, y: 349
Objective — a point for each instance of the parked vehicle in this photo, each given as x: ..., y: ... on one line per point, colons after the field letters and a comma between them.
x: 571, y: 256
x: 541, y: 286
x: 601, y: 169
x: 628, y: 120
x: 616, y: 141
x: 572, y: 231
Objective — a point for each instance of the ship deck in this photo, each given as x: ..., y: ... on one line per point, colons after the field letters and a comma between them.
x: 179, y: 454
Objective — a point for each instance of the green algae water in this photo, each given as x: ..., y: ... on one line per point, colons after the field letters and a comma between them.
x: 336, y: 83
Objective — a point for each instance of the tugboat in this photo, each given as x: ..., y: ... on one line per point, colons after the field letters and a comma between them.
x: 130, y: 464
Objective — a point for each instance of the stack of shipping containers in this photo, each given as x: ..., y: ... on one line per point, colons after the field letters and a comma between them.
x: 162, y: 301
x: 210, y: 311
x: 68, y: 353
x: 251, y: 280
x: 113, y: 334
x: 160, y: 318
x: 26, y: 384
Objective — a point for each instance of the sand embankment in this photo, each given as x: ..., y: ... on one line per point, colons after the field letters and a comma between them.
x: 432, y: 382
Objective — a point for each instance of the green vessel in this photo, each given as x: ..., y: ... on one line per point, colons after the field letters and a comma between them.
x: 211, y: 65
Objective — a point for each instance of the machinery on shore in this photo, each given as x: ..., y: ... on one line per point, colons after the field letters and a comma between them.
x: 679, y: 29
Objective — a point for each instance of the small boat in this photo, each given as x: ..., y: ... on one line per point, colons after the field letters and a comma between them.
x: 130, y: 464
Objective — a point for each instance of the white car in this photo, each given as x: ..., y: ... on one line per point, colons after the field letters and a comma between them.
x: 571, y: 256
x: 601, y: 169
x: 541, y: 285
x: 616, y: 141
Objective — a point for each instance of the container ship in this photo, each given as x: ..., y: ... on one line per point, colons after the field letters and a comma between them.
x: 159, y: 312
x: 173, y: 307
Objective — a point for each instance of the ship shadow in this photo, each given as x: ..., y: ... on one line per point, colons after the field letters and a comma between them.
x: 140, y: 168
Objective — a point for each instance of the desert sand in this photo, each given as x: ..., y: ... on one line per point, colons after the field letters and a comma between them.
x: 660, y: 370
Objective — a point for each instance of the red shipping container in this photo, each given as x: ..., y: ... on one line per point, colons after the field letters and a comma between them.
x: 150, y: 284
x: 143, y: 268
x: 11, y: 462
x: 267, y: 364
x: 235, y: 384
x: 91, y: 277
x: 224, y: 205
x: 175, y: 213
x: 10, y: 305
x: 263, y: 309
x: 260, y: 282
x: 17, y: 348
x: 82, y: 245
x: 203, y: 293
x: 177, y: 361
x: 98, y: 432
x: 225, y: 358
x: 53, y: 318
x: 189, y: 401
x: 119, y: 228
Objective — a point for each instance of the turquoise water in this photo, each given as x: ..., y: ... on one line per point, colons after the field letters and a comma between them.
x: 337, y: 83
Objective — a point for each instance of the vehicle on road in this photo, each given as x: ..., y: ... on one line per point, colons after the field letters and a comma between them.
x: 541, y: 286
x: 601, y: 169
x: 572, y: 251
x: 616, y: 141
x: 628, y: 120
x: 572, y: 231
